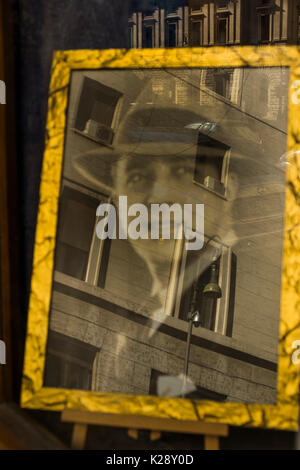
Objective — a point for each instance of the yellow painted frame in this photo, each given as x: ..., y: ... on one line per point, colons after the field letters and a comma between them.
x: 283, y: 415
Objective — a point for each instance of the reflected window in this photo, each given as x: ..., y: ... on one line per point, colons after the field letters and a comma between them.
x: 97, y: 111
x: 197, y: 33
x: 221, y: 30
x: 69, y: 362
x: 75, y: 231
x: 264, y: 28
x: 205, y: 305
x: 148, y: 36
x: 220, y: 81
x: 171, y: 34
x: 130, y: 37
x: 77, y: 247
x: 210, y: 160
x: 192, y: 272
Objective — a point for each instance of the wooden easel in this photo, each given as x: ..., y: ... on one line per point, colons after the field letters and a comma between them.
x: 81, y: 420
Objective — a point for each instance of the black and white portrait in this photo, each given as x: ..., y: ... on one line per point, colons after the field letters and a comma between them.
x: 178, y: 294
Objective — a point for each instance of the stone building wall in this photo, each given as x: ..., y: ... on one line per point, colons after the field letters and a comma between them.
x: 126, y: 357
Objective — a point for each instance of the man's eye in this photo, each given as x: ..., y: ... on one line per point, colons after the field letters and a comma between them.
x: 136, y: 178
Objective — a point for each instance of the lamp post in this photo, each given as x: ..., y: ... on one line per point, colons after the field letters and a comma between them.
x: 212, y: 290
x: 193, y: 320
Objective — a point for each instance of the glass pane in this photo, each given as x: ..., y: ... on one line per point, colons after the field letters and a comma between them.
x: 197, y: 33
x: 69, y: 363
x: 97, y: 105
x: 206, y: 306
x: 180, y: 146
x: 148, y: 36
x: 210, y: 159
x: 172, y: 34
x: 75, y: 231
x: 265, y: 27
x: 221, y: 31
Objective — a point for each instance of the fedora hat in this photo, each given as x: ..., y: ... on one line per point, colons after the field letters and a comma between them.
x: 147, y: 130
x: 169, y: 131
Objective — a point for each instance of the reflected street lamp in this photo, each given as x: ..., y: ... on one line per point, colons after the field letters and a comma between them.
x: 211, y: 290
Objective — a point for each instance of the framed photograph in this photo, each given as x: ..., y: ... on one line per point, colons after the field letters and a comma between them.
x: 166, y: 269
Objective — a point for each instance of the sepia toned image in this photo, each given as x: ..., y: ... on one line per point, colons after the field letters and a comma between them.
x: 148, y: 316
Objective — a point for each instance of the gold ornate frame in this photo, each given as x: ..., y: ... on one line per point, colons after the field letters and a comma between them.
x: 283, y: 415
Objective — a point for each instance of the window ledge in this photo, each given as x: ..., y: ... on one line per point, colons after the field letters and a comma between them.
x: 172, y: 16
x: 172, y: 322
x: 266, y: 8
x: 94, y: 139
x: 201, y: 185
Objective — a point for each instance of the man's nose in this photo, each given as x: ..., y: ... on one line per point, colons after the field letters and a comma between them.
x: 161, y: 192
x: 158, y: 189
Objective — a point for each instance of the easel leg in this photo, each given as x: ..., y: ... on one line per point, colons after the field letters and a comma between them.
x: 79, y: 436
x: 81, y: 419
x: 211, y: 442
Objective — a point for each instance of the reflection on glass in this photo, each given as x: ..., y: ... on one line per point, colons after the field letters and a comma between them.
x: 121, y: 307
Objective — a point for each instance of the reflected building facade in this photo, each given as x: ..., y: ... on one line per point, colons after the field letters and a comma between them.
x: 206, y: 23
x: 178, y: 23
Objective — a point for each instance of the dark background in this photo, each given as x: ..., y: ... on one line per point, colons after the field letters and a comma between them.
x: 38, y: 28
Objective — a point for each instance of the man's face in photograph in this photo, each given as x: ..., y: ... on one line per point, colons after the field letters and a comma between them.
x: 155, y: 180
x: 148, y: 180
